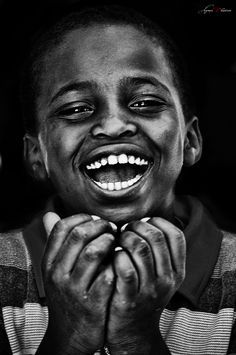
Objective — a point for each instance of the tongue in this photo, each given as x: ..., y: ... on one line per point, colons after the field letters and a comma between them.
x: 114, y: 174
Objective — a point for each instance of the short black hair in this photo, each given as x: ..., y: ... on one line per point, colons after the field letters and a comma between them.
x: 50, y: 37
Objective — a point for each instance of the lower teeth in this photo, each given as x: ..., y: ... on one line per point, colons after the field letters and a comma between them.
x: 119, y: 185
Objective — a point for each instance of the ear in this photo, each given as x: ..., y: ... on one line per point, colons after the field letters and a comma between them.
x: 33, y: 158
x: 193, y: 142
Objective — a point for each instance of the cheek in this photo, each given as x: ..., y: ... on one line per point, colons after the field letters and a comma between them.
x: 61, y: 145
x: 173, y: 143
x: 172, y: 158
x: 168, y: 139
x: 167, y: 135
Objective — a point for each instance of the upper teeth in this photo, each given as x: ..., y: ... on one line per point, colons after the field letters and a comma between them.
x: 117, y: 159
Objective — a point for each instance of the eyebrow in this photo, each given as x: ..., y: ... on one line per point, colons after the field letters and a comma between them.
x: 127, y: 82
x: 144, y: 80
x: 75, y: 86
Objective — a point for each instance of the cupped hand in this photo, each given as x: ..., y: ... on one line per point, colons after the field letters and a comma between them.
x: 77, y: 284
x: 149, y: 270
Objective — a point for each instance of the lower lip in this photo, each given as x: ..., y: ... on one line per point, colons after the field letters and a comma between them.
x: 119, y: 193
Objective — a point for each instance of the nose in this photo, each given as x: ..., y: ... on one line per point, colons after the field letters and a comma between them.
x: 114, y: 125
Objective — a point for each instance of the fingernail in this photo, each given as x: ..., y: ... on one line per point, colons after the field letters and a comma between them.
x: 95, y: 218
x: 113, y: 226
x: 123, y: 227
x: 118, y: 249
x: 145, y: 219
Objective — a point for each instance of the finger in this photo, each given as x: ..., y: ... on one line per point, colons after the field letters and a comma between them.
x: 127, y: 278
x: 103, y: 285
x: 49, y: 221
x: 89, y: 262
x: 141, y: 255
x: 176, y: 243
x: 76, y: 240
x: 158, y: 244
x: 58, y: 235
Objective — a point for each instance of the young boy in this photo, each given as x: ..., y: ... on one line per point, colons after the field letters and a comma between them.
x: 127, y: 267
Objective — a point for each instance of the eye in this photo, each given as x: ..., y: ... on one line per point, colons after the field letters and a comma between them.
x: 147, y: 105
x: 77, y: 112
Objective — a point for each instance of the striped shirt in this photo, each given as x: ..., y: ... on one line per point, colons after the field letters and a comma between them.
x: 200, y: 318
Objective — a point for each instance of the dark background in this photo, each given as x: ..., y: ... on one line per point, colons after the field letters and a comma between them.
x: 208, y: 42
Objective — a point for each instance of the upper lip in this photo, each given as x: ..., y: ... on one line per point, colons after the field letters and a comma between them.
x: 116, y: 149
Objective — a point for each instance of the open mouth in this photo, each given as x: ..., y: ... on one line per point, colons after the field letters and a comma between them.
x: 117, y: 172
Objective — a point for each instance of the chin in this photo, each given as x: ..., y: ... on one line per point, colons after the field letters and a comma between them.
x: 122, y: 214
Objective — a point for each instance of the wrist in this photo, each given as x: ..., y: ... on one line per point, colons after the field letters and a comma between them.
x: 131, y: 345
x: 155, y: 346
x: 143, y: 339
x: 60, y: 344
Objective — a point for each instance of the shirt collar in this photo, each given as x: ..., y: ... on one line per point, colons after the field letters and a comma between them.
x: 35, y: 238
x: 203, y: 245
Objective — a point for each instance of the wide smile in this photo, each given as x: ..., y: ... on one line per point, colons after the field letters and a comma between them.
x: 117, y: 172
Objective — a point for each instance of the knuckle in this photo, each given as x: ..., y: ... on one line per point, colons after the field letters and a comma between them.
x: 126, y: 236
x: 129, y: 240
x: 152, y: 291
x: 103, y: 224
x: 91, y: 252
x: 55, y: 277
x: 61, y: 225
x: 128, y: 276
x: 154, y: 233
x: 170, y: 282
x: 109, y: 280
x: 108, y: 239
x: 179, y: 235
x: 167, y: 281
x: 77, y: 234
x: 157, y: 236
x: 143, y: 248
x: 154, y: 294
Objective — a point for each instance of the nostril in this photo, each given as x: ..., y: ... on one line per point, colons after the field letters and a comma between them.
x: 127, y: 134
x: 100, y: 135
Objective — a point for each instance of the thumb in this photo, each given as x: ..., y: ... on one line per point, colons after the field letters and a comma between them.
x: 49, y: 221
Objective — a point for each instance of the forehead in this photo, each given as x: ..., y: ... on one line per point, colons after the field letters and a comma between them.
x: 100, y: 47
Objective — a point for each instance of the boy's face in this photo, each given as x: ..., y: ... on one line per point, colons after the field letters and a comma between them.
x: 112, y: 128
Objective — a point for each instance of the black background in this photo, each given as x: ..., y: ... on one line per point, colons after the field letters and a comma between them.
x: 208, y: 42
